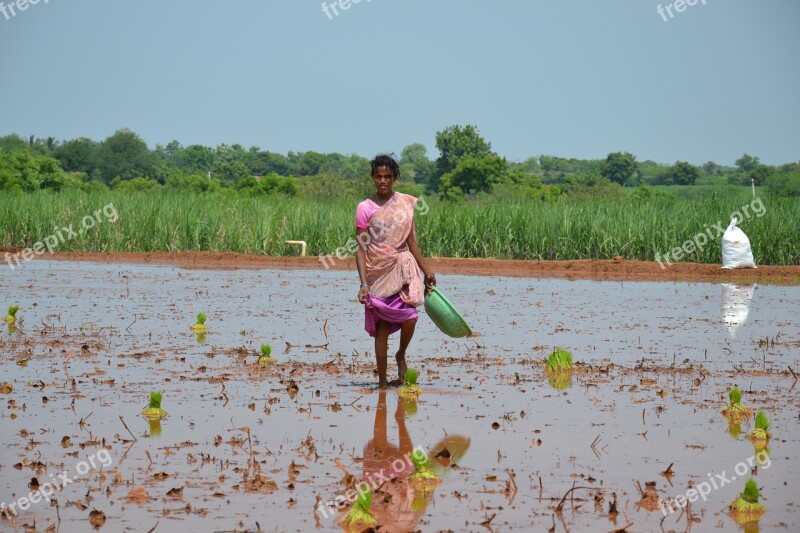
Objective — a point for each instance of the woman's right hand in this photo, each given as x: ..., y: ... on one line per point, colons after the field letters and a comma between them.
x: 363, y: 292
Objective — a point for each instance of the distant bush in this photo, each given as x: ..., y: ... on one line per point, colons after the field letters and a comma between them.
x: 23, y: 171
x: 192, y: 182
x: 269, y: 184
x: 785, y: 184
x: 593, y: 185
x: 644, y: 194
x: 135, y: 184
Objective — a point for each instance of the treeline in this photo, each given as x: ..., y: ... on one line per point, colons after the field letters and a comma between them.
x: 466, y: 167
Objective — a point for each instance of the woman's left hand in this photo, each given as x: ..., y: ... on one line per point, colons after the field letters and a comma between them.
x: 363, y: 293
x: 430, y: 281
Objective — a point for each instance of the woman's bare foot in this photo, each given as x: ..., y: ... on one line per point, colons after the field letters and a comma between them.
x: 400, y: 357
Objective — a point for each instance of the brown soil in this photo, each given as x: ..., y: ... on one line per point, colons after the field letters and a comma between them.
x: 593, y: 269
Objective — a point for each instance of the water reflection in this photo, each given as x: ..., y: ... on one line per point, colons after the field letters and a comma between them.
x: 393, y: 504
x: 155, y: 426
x: 736, y: 305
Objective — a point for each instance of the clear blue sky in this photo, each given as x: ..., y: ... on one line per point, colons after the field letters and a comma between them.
x: 570, y: 78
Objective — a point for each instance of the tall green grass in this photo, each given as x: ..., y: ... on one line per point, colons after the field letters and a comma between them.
x: 634, y: 228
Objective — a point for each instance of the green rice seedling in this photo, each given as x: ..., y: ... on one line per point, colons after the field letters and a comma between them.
x: 360, y: 515
x: 11, y: 317
x: 266, y: 355
x: 560, y: 360
x: 410, y: 389
x: 760, y: 435
x: 422, y: 467
x: 559, y: 369
x: 154, y: 409
x: 200, y: 326
x: 735, y: 410
x: 746, y: 506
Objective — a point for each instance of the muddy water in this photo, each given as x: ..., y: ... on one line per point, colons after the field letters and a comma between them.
x: 656, y: 360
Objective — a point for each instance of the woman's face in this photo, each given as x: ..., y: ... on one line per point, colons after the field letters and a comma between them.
x: 383, y: 180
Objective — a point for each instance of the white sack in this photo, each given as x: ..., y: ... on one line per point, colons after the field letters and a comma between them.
x: 736, y: 252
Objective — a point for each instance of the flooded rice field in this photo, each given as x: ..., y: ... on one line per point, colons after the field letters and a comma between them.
x: 621, y: 443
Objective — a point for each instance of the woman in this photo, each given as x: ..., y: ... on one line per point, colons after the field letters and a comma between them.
x: 390, y: 265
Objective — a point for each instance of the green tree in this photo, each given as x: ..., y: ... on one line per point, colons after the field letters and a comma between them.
x: 711, y: 168
x: 77, y: 155
x: 760, y: 173
x: 195, y: 157
x: 785, y: 183
x: 416, y: 165
x: 311, y: 163
x: 684, y: 173
x: 618, y: 167
x: 530, y: 165
x: 263, y: 163
x: 454, y: 144
x: 124, y: 155
x: 12, y: 143
x: 473, y: 174
x: 349, y: 167
x: 747, y: 163
x: 231, y: 171
x: 25, y: 171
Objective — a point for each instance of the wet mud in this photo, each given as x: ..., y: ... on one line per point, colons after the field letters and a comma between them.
x: 284, y: 446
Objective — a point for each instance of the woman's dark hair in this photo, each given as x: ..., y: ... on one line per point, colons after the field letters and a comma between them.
x: 385, y: 160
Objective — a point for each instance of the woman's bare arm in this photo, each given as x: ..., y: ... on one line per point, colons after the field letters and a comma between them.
x: 361, y: 264
x: 413, y: 247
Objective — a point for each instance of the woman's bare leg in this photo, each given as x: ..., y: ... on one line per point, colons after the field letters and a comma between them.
x: 406, y: 334
x: 381, y: 351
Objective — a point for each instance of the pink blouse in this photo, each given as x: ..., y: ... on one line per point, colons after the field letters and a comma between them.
x: 364, y: 212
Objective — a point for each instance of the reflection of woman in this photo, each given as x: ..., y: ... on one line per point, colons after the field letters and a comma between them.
x: 386, y: 461
x: 390, y: 265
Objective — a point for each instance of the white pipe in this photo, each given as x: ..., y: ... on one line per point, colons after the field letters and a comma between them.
x: 301, y: 243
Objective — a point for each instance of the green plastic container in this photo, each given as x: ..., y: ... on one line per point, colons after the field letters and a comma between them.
x: 444, y: 315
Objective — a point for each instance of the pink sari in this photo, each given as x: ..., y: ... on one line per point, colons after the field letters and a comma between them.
x: 394, y: 278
